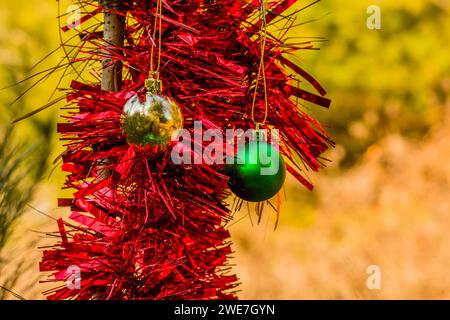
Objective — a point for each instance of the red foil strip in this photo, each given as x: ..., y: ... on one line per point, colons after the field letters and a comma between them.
x: 150, y: 229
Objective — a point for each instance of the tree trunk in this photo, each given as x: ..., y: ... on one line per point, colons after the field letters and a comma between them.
x: 114, y: 36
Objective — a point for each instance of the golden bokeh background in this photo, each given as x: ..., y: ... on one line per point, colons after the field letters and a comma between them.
x: 383, y: 200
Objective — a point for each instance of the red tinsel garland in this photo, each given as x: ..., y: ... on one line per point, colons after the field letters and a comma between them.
x: 144, y: 227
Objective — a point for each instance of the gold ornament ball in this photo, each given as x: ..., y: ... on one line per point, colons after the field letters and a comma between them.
x: 151, y: 120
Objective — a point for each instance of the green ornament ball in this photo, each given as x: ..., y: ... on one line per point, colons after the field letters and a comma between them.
x: 258, y: 172
x: 150, y: 120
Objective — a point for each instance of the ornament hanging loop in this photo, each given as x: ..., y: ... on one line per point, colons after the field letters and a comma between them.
x: 153, y: 83
x: 262, y: 68
x: 260, y: 133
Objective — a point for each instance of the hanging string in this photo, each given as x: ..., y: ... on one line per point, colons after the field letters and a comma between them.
x: 261, y: 69
x: 159, y: 39
x: 155, y: 84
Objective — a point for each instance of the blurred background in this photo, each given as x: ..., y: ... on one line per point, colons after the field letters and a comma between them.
x: 383, y: 200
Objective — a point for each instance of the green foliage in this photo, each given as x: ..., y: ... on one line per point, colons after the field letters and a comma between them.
x: 21, y: 168
x: 23, y: 161
x: 26, y: 146
x: 393, y: 80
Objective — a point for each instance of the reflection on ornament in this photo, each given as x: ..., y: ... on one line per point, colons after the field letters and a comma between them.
x: 258, y: 173
x: 151, y: 119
